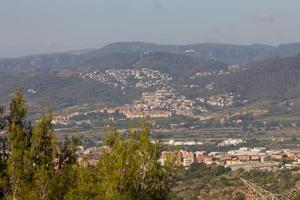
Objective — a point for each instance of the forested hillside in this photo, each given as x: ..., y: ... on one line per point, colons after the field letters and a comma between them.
x: 275, y: 79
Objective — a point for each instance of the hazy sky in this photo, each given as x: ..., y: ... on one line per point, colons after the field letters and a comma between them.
x: 39, y: 26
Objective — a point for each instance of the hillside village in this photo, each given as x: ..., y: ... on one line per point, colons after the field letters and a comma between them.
x: 123, y: 78
x: 230, y: 69
x: 164, y: 103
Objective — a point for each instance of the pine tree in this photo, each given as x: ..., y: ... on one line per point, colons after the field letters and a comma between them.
x: 42, y: 155
x: 66, y: 171
x: 19, y: 139
x: 33, y: 165
x: 3, y: 142
x: 38, y: 168
x: 67, y: 152
x: 130, y: 171
x: 3, y: 156
x: 2, y: 118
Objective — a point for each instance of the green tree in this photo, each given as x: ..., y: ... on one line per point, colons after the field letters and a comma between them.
x: 3, y: 142
x: 2, y: 118
x: 42, y: 156
x: 3, y: 156
x: 131, y: 170
x: 239, y: 196
x: 19, y: 139
x: 32, y: 164
x: 66, y: 155
x: 66, y: 172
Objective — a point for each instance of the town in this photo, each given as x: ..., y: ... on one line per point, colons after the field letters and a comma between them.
x: 246, y: 158
x: 123, y: 78
x: 164, y: 102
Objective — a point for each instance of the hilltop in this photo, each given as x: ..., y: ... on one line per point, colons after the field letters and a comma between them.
x: 226, y: 53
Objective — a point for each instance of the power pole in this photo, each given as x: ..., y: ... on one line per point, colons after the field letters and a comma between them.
x: 291, y: 194
x: 259, y: 193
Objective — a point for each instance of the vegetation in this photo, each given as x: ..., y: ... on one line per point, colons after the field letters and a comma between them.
x: 35, y: 166
x: 273, y: 79
x: 217, y: 182
x: 129, y: 171
x: 29, y: 156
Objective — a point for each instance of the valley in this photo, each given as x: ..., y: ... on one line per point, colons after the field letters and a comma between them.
x: 178, y: 90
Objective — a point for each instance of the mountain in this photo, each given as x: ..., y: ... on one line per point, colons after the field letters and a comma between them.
x: 286, y: 50
x: 220, y: 52
x: 172, y: 63
x: 111, y: 60
x: 225, y: 53
x: 177, y: 65
x: 119, y: 73
x: 275, y: 79
x: 44, y: 61
x: 65, y: 86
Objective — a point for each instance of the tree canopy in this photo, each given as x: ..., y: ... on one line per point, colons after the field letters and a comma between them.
x: 34, y: 165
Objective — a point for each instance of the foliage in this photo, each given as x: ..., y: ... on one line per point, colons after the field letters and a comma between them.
x: 28, y: 154
x: 19, y: 134
x: 129, y: 171
x: 35, y: 166
x: 201, y: 181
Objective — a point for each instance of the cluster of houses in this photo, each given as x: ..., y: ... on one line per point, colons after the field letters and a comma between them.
x: 90, y: 156
x: 230, y: 69
x: 123, y: 78
x: 226, y: 100
x: 246, y: 158
x: 65, y: 119
x: 160, y: 104
x: 231, y: 142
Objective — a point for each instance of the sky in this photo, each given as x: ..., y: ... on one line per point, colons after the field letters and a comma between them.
x: 42, y: 26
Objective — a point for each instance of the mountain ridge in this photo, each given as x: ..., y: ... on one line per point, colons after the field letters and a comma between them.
x: 226, y: 53
x: 83, y: 77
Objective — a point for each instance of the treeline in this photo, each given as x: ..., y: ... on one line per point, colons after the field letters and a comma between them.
x: 34, y: 165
